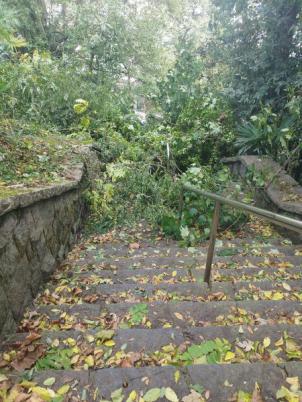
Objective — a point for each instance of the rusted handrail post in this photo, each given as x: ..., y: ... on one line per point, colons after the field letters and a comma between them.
x: 215, y: 223
x: 181, y: 204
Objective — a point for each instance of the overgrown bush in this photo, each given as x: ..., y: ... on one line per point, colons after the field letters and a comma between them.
x: 198, y: 211
x: 130, y: 191
x: 42, y: 89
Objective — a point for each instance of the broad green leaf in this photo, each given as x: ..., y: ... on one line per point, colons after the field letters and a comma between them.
x: 171, y: 395
x: 152, y: 395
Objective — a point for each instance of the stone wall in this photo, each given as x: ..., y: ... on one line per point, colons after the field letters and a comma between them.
x: 281, y: 193
x: 37, y: 229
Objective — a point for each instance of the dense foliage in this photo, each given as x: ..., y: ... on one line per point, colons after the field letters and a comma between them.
x: 164, y: 88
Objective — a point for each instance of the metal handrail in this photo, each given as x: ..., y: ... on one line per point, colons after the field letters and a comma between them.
x: 277, y: 219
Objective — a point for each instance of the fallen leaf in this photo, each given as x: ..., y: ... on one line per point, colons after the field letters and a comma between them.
x: 28, y: 358
x: 43, y: 393
x: 294, y: 383
x: 132, y: 396
x: 229, y: 356
x: 49, y: 381
x: 266, y: 342
x: 3, y: 378
x: 117, y: 395
x: 286, y: 286
x: 171, y: 395
x: 89, y: 360
x: 109, y: 343
x: 63, y: 390
x: 134, y: 246
x: 193, y: 397
x: 179, y: 316
x: 256, y: 396
x: 152, y: 395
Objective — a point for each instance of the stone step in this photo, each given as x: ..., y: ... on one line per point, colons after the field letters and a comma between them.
x: 160, y: 347
x: 216, y: 382
x: 121, y: 251
x: 262, y: 290
x: 174, y: 262
x: 152, y: 340
x: 257, y: 274
x: 182, y: 275
x: 161, y: 315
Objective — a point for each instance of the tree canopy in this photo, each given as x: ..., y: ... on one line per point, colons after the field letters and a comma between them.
x: 162, y: 86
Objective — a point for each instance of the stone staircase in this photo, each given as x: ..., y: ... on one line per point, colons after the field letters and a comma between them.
x: 128, y: 318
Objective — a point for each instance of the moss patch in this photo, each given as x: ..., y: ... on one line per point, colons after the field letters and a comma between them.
x: 32, y: 157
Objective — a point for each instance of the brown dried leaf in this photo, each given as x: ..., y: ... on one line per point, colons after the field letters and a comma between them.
x: 256, y: 396
x: 134, y: 246
x: 27, y: 358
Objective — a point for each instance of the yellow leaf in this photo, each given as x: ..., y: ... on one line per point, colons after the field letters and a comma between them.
x: 277, y: 296
x: 75, y: 359
x: 266, y: 342
x: 291, y: 345
x: 28, y: 384
x: 179, y: 316
x: 177, y: 376
x: 45, y: 394
x: 71, y: 342
x: 89, y: 360
x: 286, y: 286
x: 6, y: 357
x: 280, y: 342
x: 167, y: 325
x: 171, y: 395
x: 229, y: 356
x: 174, y: 273
x: 286, y: 394
x: 294, y: 383
x: 63, y: 390
x: 132, y: 396
x: 90, y: 338
x: 109, y: 343
x: 3, y: 378
x: 75, y: 350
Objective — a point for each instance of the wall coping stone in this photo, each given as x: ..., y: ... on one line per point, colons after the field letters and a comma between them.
x: 30, y: 195
x: 285, y: 192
